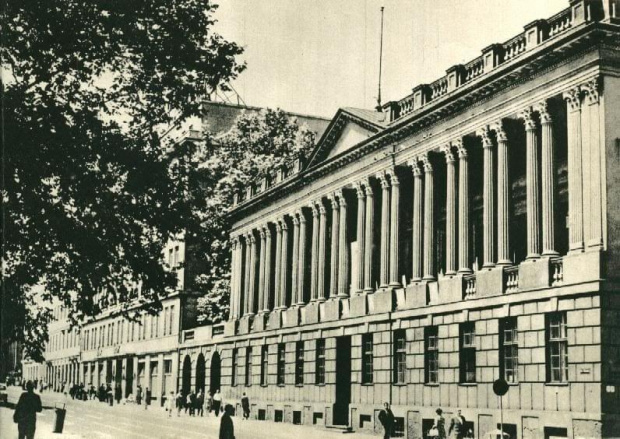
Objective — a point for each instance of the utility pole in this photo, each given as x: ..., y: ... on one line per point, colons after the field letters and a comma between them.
x: 378, y: 107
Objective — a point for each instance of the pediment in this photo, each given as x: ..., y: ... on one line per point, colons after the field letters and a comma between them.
x: 348, y: 128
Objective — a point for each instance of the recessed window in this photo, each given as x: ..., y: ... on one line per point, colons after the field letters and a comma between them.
x: 233, y: 376
x: 281, y: 363
x: 431, y: 355
x: 299, y: 363
x: 264, y: 365
x: 509, y: 349
x: 248, y: 367
x: 557, y: 348
x: 320, y: 362
x: 467, y: 353
x: 400, y: 356
x: 367, y: 359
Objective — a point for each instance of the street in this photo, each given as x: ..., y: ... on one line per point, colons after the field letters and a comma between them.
x: 93, y: 419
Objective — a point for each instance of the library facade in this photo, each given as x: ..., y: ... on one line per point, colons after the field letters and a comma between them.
x: 465, y: 233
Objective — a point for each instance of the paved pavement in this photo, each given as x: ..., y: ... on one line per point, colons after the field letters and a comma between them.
x: 93, y: 419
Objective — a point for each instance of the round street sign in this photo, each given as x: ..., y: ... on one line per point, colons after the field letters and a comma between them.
x: 500, y: 387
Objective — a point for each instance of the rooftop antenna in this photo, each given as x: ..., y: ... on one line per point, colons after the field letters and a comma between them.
x: 378, y: 107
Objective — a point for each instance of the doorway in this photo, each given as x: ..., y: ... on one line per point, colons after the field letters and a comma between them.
x: 187, y: 375
x: 200, y: 374
x: 215, y: 373
x: 343, y: 380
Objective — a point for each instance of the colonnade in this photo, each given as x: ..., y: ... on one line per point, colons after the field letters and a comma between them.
x: 328, y: 276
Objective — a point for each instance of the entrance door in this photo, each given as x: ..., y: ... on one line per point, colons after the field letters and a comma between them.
x: 129, y: 377
x: 187, y: 375
x: 215, y: 373
x: 343, y: 380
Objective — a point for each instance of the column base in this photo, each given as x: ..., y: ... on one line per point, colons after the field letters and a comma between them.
x: 533, y: 256
x: 550, y: 253
x: 429, y: 278
x: 395, y: 285
x: 488, y: 265
x: 368, y: 291
x: 504, y: 262
x: 465, y: 270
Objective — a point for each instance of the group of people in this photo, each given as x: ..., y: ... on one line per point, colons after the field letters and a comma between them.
x: 193, y: 403
x: 456, y: 430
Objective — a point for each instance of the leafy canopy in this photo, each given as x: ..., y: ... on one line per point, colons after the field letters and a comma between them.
x: 258, y: 144
x: 91, y: 193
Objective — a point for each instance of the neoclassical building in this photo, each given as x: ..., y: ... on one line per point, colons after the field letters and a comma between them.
x: 465, y: 233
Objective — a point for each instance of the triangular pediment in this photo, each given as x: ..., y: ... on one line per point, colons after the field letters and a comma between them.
x: 349, y: 127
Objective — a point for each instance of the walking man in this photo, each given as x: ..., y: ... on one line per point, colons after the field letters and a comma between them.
x: 200, y: 402
x: 147, y: 398
x: 457, y: 426
x: 386, y: 417
x: 245, y: 405
x: 25, y: 415
x: 217, y: 402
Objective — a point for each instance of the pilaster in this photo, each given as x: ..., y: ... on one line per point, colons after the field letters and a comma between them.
x: 343, y: 250
x: 503, y: 196
x: 450, y: 211
x: 547, y: 181
x: 429, y: 226
x: 361, y: 220
x: 575, y: 187
x: 385, y: 230
x: 463, y: 207
x: 417, y: 235
x: 532, y: 185
x: 368, y: 246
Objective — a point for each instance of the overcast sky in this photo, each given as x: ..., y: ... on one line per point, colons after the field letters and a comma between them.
x: 314, y: 56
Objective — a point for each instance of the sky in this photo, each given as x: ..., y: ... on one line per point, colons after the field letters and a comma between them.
x: 315, y: 56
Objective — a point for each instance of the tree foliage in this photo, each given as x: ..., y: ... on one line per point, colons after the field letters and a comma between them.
x: 91, y: 193
x: 258, y: 144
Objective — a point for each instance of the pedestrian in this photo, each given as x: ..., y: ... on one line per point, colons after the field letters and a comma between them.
x: 200, y: 402
x: 457, y: 426
x: 147, y: 398
x: 170, y: 403
x: 245, y: 405
x: 25, y: 415
x: 191, y: 401
x: 217, y: 402
x: 438, y: 431
x: 386, y: 417
x: 118, y: 393
x: 227, y: 429
x: 179, y: 401
x: 210, y: 402
x: 139, y: 395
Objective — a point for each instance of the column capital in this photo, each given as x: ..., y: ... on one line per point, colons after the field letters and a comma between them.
x: 528, y: 118
x: 261, y: 232
x: 341, y: 200
x: 460, y: 148
x: 500, y: 132
x: 415, y: 166
x: 447, y: 150
x: 592, y: 89
x: 295, y: 220
x: 333, y: 199
x: 543, y: 111
x: 314, y: 208
x: 573, y: 98
x: 359, y: 189
x: 382, y: 176
x: 283, y: 224
x: 426, y: 163
x: 278, y: 227
x: 302, y: 217
x: 393, y: 177
x: 485, y: 134
x: 368, y: 188
x: 267, y: 231
x: 322, y: 210
x: 252, y: 238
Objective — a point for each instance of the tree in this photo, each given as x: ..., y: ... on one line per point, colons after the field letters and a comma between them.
x: 91, y: 191
x: 258, y: 144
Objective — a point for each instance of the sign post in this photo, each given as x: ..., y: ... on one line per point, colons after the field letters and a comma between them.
x: 500, y: 387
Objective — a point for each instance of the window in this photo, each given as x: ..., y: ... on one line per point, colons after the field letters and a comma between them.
x: 400, y: 357
x: 557, y: 348
x: 281, y: 363
x: 468, y: 353
x: 233, y: 375
x: 170, y: 258
x: 176, y: 256
x: 320, y: 362
x: 299, y: 363
x: 431, y: 355
x: 248, y: 366
x: 264, y: 364
x: 167, y: 366
x: 367, y: 359
x: 171, y: 319
x: 509, y: 349
x: 165, y: 321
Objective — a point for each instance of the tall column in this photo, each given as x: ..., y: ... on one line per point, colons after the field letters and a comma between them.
x: 385, y: 230
x: 295, y: 267
x: 450, y: 211
x: 417, y: 233
x: 488, y: 200
x: 268, y: 290
x: 161, y: 377
x: 252, y: 286
x: 503, y: 196
x: 358, y: 286
x: 394, y: 229
x: 369, y: 229
x: 278, y: 264
x: 314, y: 254
x: 135, y: 374
x: 261, y: 271
x: 547, y: 181
x: 147, y: 375
x: 284, y: 268
x: 595, y: 183
x: 429, y: 218
x: 233, y: 278
x: 124, y: 378
x: 343, y: 254
x: 302, y: 254
x: 321, y: 262
x: 333, y: 285
x: 463, y: 207
x: 87, y: 378
x: 532, y: 185
x: 246, y: 284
